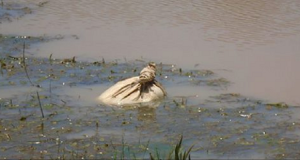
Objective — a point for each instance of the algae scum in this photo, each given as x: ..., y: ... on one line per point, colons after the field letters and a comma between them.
x: 225, y: 126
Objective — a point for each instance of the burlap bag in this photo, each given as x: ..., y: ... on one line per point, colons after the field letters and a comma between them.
x: 139, y: 89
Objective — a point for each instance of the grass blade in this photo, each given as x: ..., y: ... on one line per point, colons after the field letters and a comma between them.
x: 25, y: 67
x: 38, y: 96
x: 151, y: 157
x: 177, y: 149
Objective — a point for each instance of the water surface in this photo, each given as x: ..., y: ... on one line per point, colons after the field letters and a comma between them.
x: 254, y: 41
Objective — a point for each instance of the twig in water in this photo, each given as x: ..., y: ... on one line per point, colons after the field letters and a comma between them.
x: 50, y: 78
x: 38, y: 96
x: 146, y: 148
x: 58, y: 147
x: 123, y: 149
x: 103, y: 61
x: 2, y: 66
x: 50, y: 90
x: 1, y: 71
x: 10, y: 103
x: 24, y: 64
x: 50, y: 59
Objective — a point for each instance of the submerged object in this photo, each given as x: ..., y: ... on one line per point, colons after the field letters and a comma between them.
x: 140, y: 89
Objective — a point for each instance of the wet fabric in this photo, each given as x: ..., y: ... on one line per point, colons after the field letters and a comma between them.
x: 140, y: 89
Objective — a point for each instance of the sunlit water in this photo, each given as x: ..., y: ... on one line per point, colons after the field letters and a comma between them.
x: 8, y: 92
x: 228, y: 125
x: 253, y: 43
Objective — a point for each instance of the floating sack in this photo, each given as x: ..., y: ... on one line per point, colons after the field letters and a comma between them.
x: 139, y: 89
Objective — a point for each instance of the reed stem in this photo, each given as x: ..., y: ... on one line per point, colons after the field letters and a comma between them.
x: 25, y: 67
x: 38, y: 96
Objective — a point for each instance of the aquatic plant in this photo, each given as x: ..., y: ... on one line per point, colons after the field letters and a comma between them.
x: 177, y: 153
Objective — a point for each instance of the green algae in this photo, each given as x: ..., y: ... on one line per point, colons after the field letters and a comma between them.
x: 73, y: 129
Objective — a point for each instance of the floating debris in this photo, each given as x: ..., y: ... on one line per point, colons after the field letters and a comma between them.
x: 278, y: 105
x: 71, y: 60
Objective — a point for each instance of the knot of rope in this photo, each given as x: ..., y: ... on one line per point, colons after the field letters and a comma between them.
x: 148, y: 73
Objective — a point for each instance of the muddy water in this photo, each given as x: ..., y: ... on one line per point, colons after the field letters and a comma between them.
x: 52, y: 104
x: 253, y: 43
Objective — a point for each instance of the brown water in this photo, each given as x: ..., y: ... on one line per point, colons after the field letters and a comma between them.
x: 253, y: 43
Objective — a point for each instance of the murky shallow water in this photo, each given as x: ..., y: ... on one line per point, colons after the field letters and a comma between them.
x: 257, y: 41
x: 253, y: 44
x: 75, y: 126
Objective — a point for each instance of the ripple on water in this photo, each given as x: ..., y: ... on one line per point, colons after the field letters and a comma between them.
x: 241, y: 22
x: 249, y: 37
